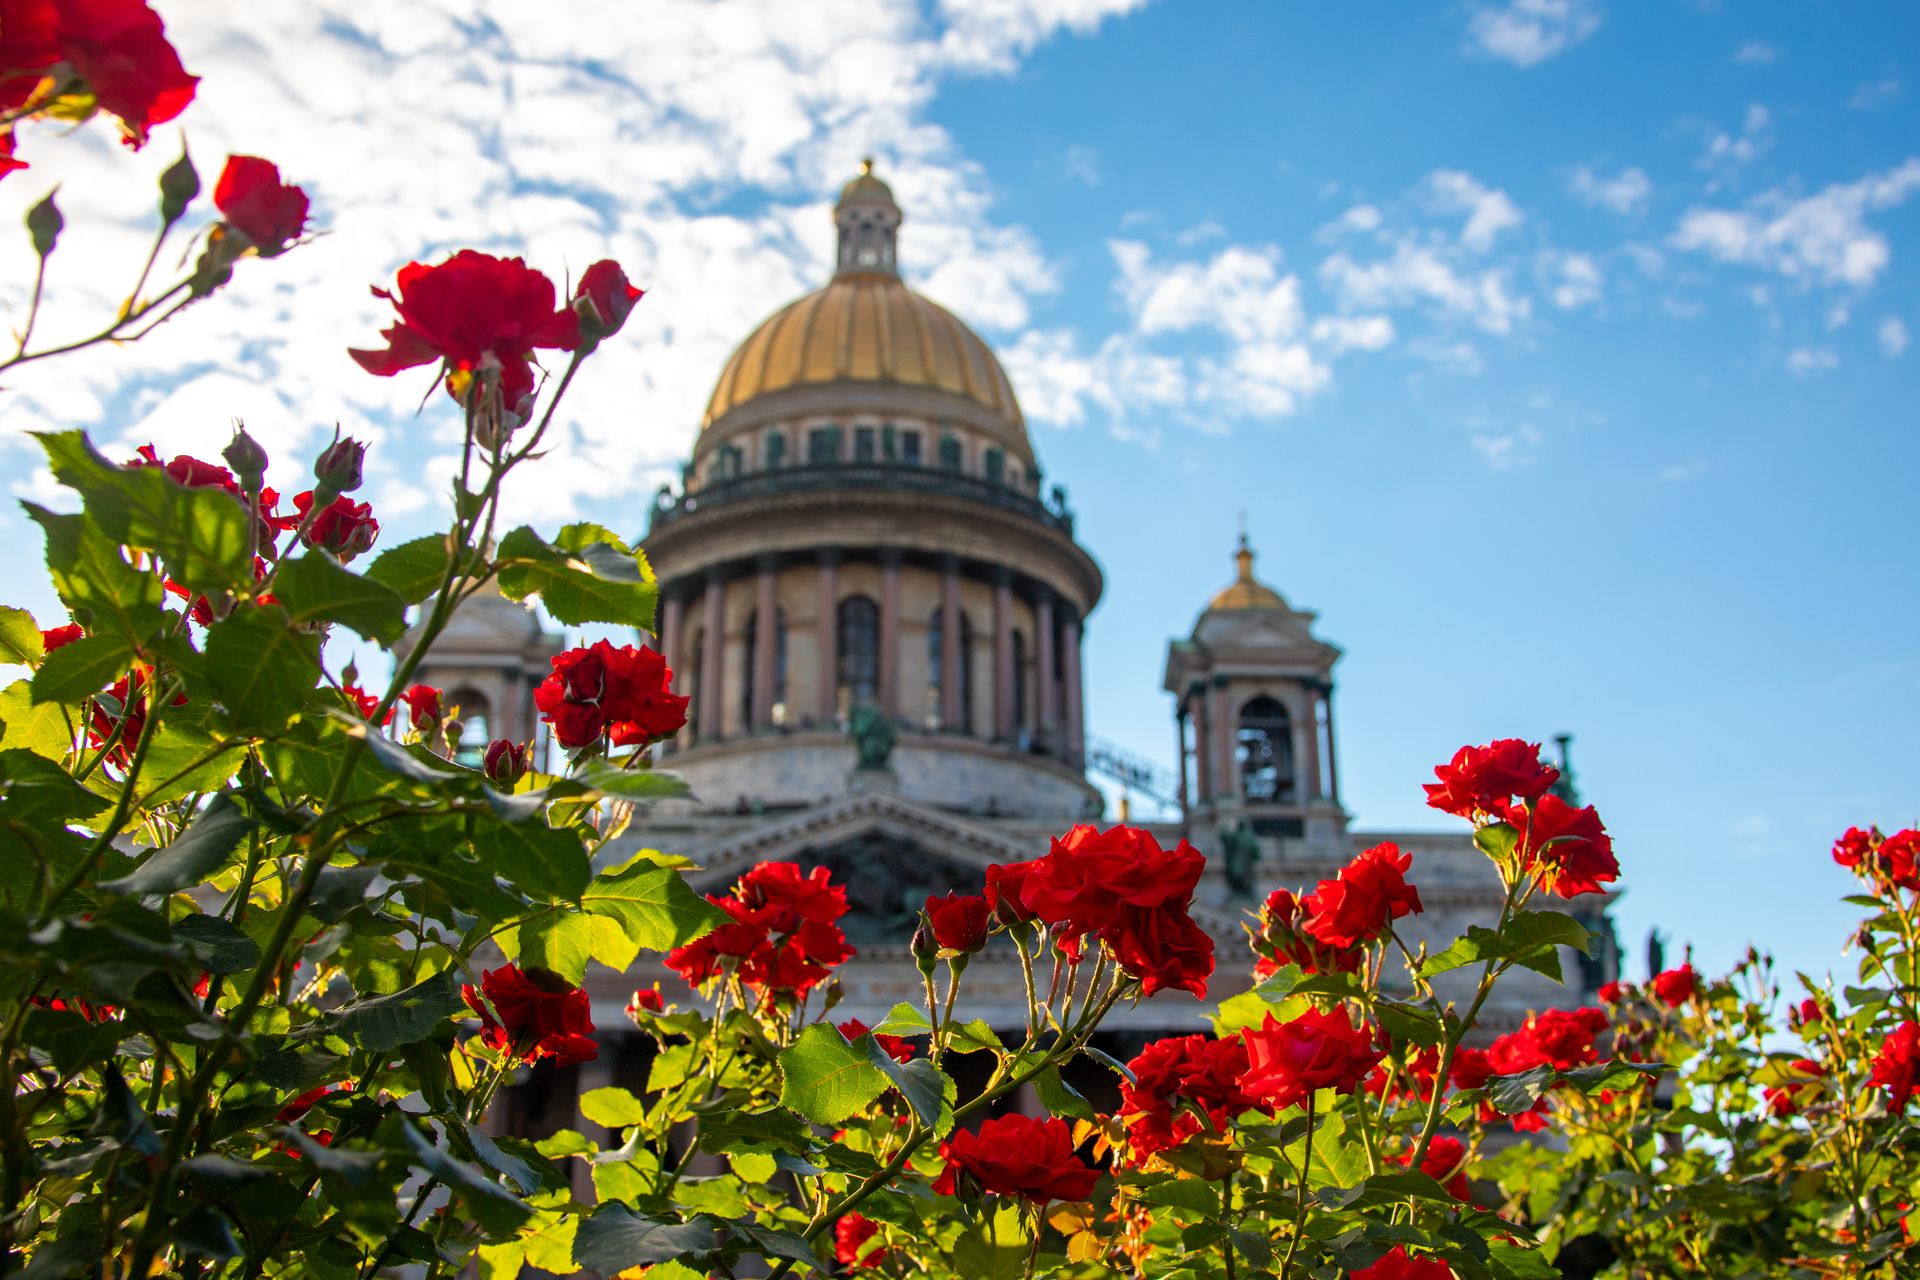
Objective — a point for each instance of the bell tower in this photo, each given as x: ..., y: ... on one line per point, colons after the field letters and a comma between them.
x: 868, y: 219
x: 487, y: 664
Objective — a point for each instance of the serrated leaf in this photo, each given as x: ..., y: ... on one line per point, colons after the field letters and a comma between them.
x: 413, y: 570
x: 924, y: 1086
x: 381, y: 1024
x: 654, y: 907
x: 905, y: 1020
x: 314, y: 588
x: 19, y: 636
x: 628, y: 784
x: 558, y: 940
x: 1513, y: 1094
x: 589, y: 581
x: 43, y: 730
x: 1528, y: 931
x: 612, y: 1107
x: 541, y: 860
x: 261, y: 668
x: 826, y: 1079
x: 76, y: 671
x: 774, y: 1243
x: 1511, y: 1262
x: 216, y: 944
x: 1059, y: 1097
x: 615, y: 1239
x: 191, y: 860
x: 103, y: 592
x: 498, y: 1210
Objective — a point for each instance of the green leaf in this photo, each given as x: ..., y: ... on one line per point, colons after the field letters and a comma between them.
x: 539, y: 859
x: 314, y: 588
x: 498, y: 1210
x: 614, y: 1108
x: 42, y: 729
x: 414, y: 763
x: 654, y: 907
x: 120, y: 1119
x: 978, y: 1258
x: 77, y: 670
x: 19, y: 636
x: 1513, y: 1094
x: 103, y: 592
x: 616, y: 1239
x: 1612, y: 1075
x: 628, y: 784
x: 1059, y: 1097
x: 413, y: 570
x: 579, y: 577
x: 774, y: 1243
x: 558, y: 940
x: 202, y: 536
x: 826, y: 1079
x: 1530, y: 938
x: 731, y: 1131
x: 384, y: 1023
x: 925, y: 1087
x: 905, y: 1020
x: 1529, y: 931
x: 261, y: 668
x: 191, y: 860
x: 216, y: 944
x: 1511, y: 1262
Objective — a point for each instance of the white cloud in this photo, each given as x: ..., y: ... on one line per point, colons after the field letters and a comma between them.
x: 1489, y: 211
x: 1353, y: 333
x: 1058, y: 384
x: 1508, y: 448
x: 1081, y: 164
x: 1528, y: 32
x: 1727, y: 152
x: 1805, y: 361
x: 1874, y: 94
x: 1892, y: 335
x: 1756, y: 53
x: 1421, y: 274
x: 1623, y: 193
x: 1822, y: 238
x: 1571, y: 279
x: 1240, y: 291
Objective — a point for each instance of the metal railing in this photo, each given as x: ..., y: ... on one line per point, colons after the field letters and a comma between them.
x: 825, y: 477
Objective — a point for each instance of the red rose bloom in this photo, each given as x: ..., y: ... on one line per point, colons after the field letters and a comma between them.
x: 7, y: 163
x: 1568, y: 847
x: 1897, y: 1064
x: 1855, y: 845
x: 344, y: 527
x: 1283, y: 940
x: 1613, y: 992
x: 624, y: 693
x: 1165, y: 949
x: 1016, y: 1155
x: 1561, y: 1037
x: 959, y: 921
x: 130, y: 694
x: 298, y: 1108
x: 645, y: 1000
x: 1446, y: 1163
x: 119, y: 47
x: 1483, y: 779
x: 505, y: 762
x: 1288, y: 1061
x: 187, y: 470
x: 1399, y: 1265
x: 1783, y: 1100
x: 534, y: 1015
x: 473, y: 312
x: 1370, y: 894
x: 854, y: 1244
x: 1899, y: 859
x: 365, y: 703
x: 1806, y: 1014
x: 898, y: 1047
x: 253, y: 200
x: 423, y: 706
x: 53, y: 639
x: 782, y: 939
x: 1171, y: 1073
x: 1005, y: 889
x: 1471, y: 1069
x: 1676, y: 986
x: 603, y: 299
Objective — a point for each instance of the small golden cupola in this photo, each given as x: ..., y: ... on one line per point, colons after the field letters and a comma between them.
x: 1246, y: 592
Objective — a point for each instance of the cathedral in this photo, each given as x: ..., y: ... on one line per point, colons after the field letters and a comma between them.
x: 877, y: 602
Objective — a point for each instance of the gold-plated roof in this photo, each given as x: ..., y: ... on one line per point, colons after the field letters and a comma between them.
x: 865, y: 185
x: 864, y: 327
x: 1247, y: 592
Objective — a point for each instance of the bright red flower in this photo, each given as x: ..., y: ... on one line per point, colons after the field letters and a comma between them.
x: 1676, y: 986
x: 534, y: 1015
x: 1561, y: 1037
x: 187, y: 470
x: 645, y: 1000
x: 7, y: 162
x: 1887, y: 861
x: 604, y: 299
x: 253, y: 200
x: 898, y: 1047
x: 423, y: 706
x: 365, y: 703
x: 1899, y: 857
x: 1163, y: 948
x: 130, y: 694
x: 299, y: 1107
x: 1897, y: 1064
x: 1783, y: 1100
x: 1855, y: 845
x: 1288, y: 1061
x: 782, y: 939
x: 1179, y: 1070
x: 1016, y: 1155
x: 505, y: 762
x: 1613, y: 992
x: 624, y: 693
x: 54, y: 638
x: 1446, y: 1163
x: 1806, y: 1014
x: 119, y: 47
x: 1571, y: 851
x: 1472, y: 1069
x: 473, y: 312
x: 1482, y: 780
x: 1283, y: 940
x: 344, y: 527
x: 1400, y: 1265
x: 959, y: 921
x: 1370, y: 894
x: 1089, y: 875
x: 1005, y: 892
x: 852, y: 1236
x: 85, y: 1009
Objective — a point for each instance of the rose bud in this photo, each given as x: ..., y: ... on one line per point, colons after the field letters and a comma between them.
x: 603, y: 300
x: 338, y: 467
x: 925, y: 948
x: 959, y: 922
x: 247, y: 458
x: 504, y: 762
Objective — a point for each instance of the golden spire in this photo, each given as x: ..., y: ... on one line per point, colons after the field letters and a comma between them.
x: 1247, y: 592
x: 866, y: 167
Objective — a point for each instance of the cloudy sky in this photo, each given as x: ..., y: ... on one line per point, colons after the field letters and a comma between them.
x: 1556, y: 351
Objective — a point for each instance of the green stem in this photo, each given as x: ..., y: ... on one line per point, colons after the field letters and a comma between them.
x: 1300, y: 1196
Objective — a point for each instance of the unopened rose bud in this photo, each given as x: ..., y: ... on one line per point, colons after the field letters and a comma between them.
x: 179, y: 184
x: 505, y: 762
x: 338, y: 467
x: 925, y: 949
x: 603, y: 300
x: 247, y: 458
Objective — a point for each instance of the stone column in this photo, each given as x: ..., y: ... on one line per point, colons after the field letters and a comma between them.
x: 1043, y: 651
x: 1225, y: 780
x: 1202, y: 745
x: 1070, y: 679
x: 669, y: 637
x: 826, y: 638
x: 712, y: 657
x: 951, y: 715
x: 890, y: 633
x: 1180, y: 756
x: 1333, y: 758
x: 765, y: 643
x: 1310, y: 757
x: 1004, y: 712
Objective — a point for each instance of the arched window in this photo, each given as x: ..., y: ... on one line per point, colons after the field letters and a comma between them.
x: 776, y: 451
x: 752, y: 637
x: 936, y: 642
x: 1266, y: 751
x: 1022, y: 721
x: 859, y: 657
x: 476, y: 724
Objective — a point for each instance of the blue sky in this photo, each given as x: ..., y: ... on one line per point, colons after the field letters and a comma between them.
x: 1558, y: 352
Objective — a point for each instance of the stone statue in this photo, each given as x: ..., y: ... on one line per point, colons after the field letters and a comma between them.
x: 1239, y: 852
x: 872, y: 733
x: 1656, y: 953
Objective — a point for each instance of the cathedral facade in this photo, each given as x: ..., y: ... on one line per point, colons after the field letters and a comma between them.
x: 877, y: 602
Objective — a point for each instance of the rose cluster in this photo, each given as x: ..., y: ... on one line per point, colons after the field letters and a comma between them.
x: 1560, y: 1038
x: 533, y: 1015
x: 781, y: 938
x: 114, y: 51
x: 1887, y: 862
x: 1174, y: 1082
x: 1505, y: 783
x: 623, y: 695
x: 1015, y: 1155
x: 1329, y: 929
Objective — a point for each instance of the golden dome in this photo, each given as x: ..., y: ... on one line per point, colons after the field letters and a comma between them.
x: 866, y: 327
x: 1247, y: 592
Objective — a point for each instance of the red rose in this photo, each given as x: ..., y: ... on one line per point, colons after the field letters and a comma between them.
x: 187, y: 470
x: 1563, y: 1038
x: 344, y: 527
x: 898, y: 1047
x: 1283, y: 940
x: 365, y: 703
x: 624, y: 693
x: 118, y: 47
x: 298, y: 1108
x: 1570, y: 850
x: 1887, y: 861
x: 603, y: 299
x: 1676, y: 986
x: 1855, y: 845
x: 645, y: 1000
x: 1899, y: 859
x: 1897, y: 1063
x: 253, y: 200
x: 852, y: 1235
x: 1288, y: 1061
x: 959, y: 921
x: 472, y: 312
x: 1446, y: 1163
x: 423, y: 706
x: 1164, y: 949
x: 1783, y: 1100
x: 1399, y: 1265
x: 782, y: 939
x: 504, y: 762
x: 1174, y: 1077
x: 1005, y: 888
x: 51, y: 640
x: 1370, y: 894
x: 1483, y: 779
x: 1016, y: 1155
x: 534, y: 1015
x: 1806, y: 1014
x: 129, y: 696
x: 1089, y: 875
